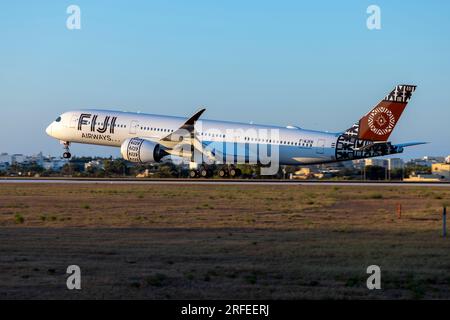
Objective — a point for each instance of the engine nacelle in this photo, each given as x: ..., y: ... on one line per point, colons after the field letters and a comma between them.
x: 141, y: 151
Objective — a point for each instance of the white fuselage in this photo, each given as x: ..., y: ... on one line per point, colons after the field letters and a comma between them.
x: 112, y: 128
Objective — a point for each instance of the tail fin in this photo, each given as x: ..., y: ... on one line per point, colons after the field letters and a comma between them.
x: 378, y: 124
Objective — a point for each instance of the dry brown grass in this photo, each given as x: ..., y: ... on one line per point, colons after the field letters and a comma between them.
x: 203, y: 241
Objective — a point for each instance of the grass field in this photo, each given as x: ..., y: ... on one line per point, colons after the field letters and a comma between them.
x: 222, y: 242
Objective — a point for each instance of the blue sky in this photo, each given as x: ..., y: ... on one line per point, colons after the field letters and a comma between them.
x: 311, y: 64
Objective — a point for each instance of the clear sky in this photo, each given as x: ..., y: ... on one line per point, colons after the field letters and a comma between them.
x: 313, y: 64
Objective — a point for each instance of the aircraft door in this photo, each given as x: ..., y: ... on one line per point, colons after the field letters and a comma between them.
x: 320, y: 146
x: 133, y: 126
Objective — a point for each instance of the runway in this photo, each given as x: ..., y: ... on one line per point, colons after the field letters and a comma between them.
x: 223, y: 182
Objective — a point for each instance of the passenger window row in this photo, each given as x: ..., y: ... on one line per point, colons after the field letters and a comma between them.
x: 156, y: 129
x: 108, y: 124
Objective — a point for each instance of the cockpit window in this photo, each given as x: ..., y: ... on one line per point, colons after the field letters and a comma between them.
x: 58, y: 119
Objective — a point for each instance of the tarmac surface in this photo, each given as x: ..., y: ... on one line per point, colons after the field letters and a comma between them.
x: 222, y: 182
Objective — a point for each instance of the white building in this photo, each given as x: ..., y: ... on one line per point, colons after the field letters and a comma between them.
x: 420, y: 162
x: 447, y: 160
x: 434, y: 159
x: 94, y: 164
x: 38, y: 159
x: 18, y: 159
x: 376, y: 162
x: 395, y: 163
x: 5, y: 158
x: 54, y: 163
x: 359, y: 164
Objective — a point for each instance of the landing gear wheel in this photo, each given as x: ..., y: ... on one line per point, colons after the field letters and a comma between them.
x: 193, y: 174
x: 204, y: 173
x: 66, y: 154
x: 235, y: 172
x: 222, y: 173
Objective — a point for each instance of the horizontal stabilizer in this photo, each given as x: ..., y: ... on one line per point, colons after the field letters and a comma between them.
x: 409, y: 144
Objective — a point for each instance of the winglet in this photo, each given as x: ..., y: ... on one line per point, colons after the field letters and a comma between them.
x: 188, y: 125
x: 191, y: 121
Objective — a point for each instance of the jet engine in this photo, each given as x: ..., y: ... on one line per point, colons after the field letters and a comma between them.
x: 142, y: 151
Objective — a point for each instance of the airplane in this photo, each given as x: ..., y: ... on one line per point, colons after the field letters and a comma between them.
x: 150, y: 138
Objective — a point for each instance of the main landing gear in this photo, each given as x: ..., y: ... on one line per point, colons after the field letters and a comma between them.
x: 229, y: 171
x: 66, y: 154
x: 204, y: 172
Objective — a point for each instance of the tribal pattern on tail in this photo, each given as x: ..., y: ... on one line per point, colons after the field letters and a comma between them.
x: 347, y: 146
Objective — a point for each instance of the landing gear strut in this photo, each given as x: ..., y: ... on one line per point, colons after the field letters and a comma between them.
x: 66, y: 154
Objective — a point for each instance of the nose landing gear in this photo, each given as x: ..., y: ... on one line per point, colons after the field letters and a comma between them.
x: 66, y: 154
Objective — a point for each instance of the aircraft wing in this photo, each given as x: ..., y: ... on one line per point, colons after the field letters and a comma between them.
x: 187, y: 151
x: 182, y: 142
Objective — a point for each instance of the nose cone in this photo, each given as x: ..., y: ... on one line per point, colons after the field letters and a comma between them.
x: 49, y: 130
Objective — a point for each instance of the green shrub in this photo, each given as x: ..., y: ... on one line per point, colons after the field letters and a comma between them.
x: 18, y: 218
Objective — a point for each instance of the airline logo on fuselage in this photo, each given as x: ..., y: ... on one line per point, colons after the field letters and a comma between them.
x: 98, y: 127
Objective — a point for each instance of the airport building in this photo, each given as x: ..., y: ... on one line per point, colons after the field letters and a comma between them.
x: 376, y: 162
x: 395, y: 163
x: 18, y: 159
x: 441, y: 170
x: 94, y: 165
x: 5, y: 159
x: 54, y: 164
x: 48, y: 163
x: 4, y: 166
x: 426, y: 161
x: 434, y: 159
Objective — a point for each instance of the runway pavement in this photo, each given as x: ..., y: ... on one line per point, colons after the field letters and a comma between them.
x: 225, y: 182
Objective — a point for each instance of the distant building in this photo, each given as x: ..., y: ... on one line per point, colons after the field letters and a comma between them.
x: 144, y: 174
x: 441, y: 170
x: 376, y: 162
x: 359, y: 164
x: 19, y: 159
x: 303, y: 173
x: 94, y: 165
x: 447, y: 160
x: 419, y: 163
x: 395, y: 163
x: 5, y: 161
x: 347, y: 164
x: 306, y: 173
x: 54, y: 164
x: 4, y: 166
x: 38, y: 159
x: 426, y: 161
x: 423, y: 178
x: 434, y: 159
